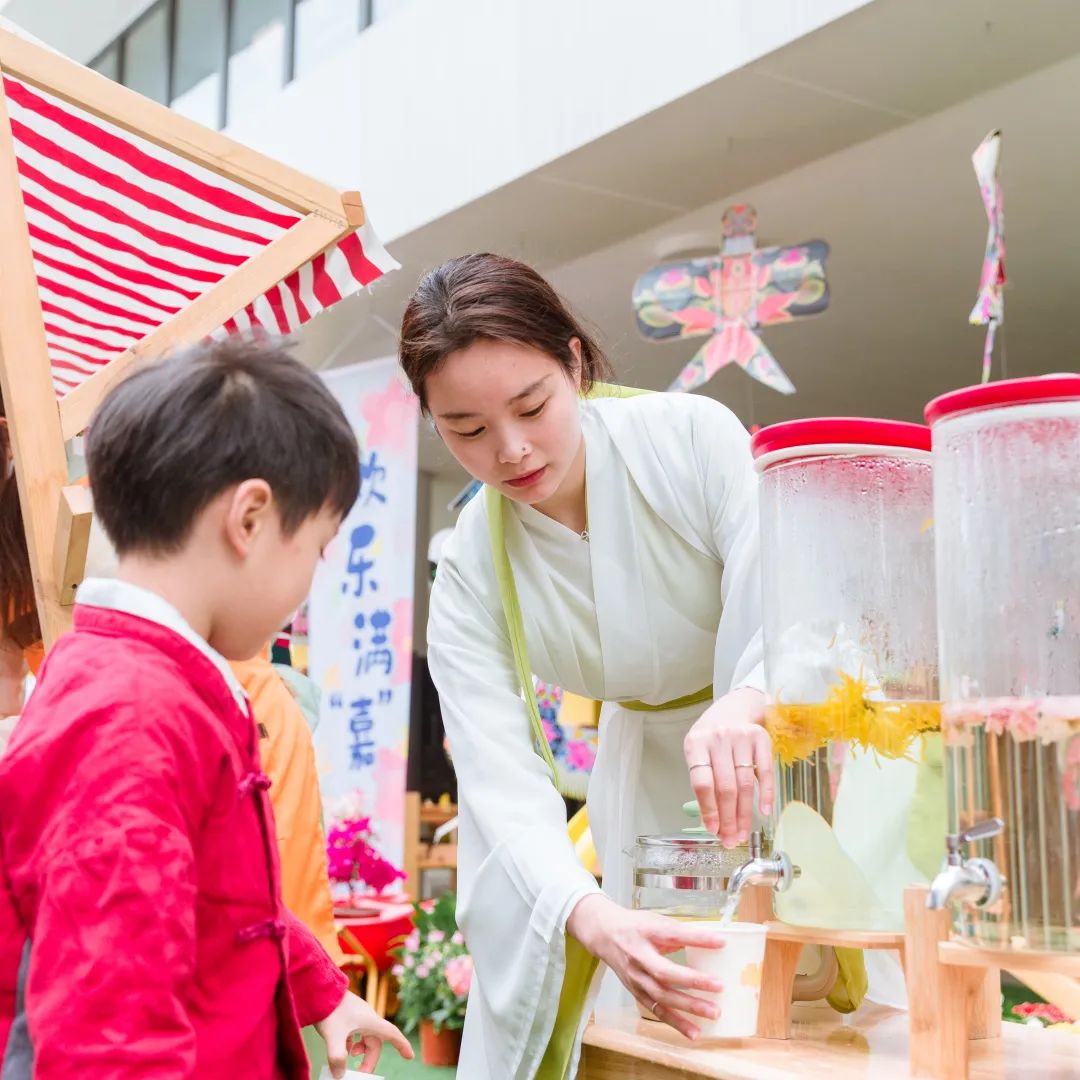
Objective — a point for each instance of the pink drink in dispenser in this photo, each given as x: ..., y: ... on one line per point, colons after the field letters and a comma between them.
x: 1007, y: 524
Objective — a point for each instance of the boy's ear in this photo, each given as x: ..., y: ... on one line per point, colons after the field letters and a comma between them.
x: 247, y: 513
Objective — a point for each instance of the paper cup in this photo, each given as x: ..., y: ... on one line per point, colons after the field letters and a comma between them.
x: 737, y: 967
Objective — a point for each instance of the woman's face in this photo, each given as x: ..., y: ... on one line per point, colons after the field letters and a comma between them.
x: 509, y: 414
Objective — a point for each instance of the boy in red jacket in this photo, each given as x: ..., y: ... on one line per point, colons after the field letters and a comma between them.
x: 141, y: 927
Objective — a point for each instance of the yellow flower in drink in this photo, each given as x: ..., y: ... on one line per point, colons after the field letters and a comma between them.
x: 848, y: 714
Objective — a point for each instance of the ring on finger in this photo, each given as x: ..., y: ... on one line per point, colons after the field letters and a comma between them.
x: 747, y: 765
x: 655, y: 1010
x: 701, y: 765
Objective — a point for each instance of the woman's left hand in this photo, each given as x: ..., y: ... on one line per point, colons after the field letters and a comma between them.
x: 725, y: 750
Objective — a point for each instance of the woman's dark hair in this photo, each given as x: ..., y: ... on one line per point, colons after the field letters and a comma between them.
x: 178, y: 432
x: 478, y: 297
x: 18, y: 608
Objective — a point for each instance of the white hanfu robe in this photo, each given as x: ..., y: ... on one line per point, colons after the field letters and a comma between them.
x: 663, y: 600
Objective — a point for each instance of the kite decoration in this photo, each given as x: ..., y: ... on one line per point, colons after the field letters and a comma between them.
x: 989, y: 308
x: 731, y: 295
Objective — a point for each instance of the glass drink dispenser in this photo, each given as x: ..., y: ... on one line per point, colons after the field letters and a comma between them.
x: 847, y: 543
x: 1007, y: 524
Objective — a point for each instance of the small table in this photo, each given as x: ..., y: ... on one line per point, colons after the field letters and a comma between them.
x: 873, y: 1042
x: 368, y: 939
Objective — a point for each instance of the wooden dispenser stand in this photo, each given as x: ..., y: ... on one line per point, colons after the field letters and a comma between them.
x: 954, y: 991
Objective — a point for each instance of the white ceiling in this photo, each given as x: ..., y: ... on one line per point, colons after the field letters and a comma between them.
x: 860, y: 134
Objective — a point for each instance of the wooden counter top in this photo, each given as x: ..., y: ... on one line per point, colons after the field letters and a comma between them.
x: 873, y: 1043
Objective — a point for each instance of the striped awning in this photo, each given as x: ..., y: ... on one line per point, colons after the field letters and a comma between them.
x: 125, y: 234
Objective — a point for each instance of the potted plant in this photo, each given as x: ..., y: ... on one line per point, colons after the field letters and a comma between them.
x: 434, y: 972
x: 353, y: 861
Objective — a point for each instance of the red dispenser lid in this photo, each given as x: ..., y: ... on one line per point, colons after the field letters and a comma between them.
x: 1007, y: 392
x: 840, y: 430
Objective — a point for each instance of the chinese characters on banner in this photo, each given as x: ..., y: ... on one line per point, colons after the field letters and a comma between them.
x: 361, y: 608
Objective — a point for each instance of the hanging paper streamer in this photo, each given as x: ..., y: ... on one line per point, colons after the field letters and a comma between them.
x: 989, y: 308
x: 729, y: 296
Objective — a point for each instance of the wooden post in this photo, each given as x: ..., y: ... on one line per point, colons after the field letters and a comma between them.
x: 29, y: 398
x: 756, y: 904
x: 353, y: 206
x: 412, y: 844
x: 948, y: 1005
x: 777, y: 982
x: 72, y: 540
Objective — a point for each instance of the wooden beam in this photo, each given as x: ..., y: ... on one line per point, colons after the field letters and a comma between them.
x: 93, y: 93
x: 1017, y: 961
x: 29, y: 398
x: 208, y: 312
x: 72, y: 540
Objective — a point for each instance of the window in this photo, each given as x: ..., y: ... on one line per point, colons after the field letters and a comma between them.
x: 198, y: 60
x: 257, y: 54
x: 108, y: 63
x: 325, y: 26
x: 146, y: 55
x: 214, y: 60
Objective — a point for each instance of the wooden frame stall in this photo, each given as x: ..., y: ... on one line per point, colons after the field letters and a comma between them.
x: 57, y: 518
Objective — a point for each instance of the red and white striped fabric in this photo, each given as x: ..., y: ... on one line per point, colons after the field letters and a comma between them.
x: 125, y: 234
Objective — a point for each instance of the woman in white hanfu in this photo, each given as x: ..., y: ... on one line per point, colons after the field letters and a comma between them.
x: 615, y: 554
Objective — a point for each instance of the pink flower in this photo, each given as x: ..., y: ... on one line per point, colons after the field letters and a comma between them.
x: 580, y: 755
x: 423, y: 971
x: 997, y: 721
x: 436, y: 936
x: 434, y: 958
x: 458, y: 938
x: 1025, y: 722
x: 351, y: 857
x: 459, y: 975
x: 412, y: 942
x: 1050, y: 1014
x: 398, y: 970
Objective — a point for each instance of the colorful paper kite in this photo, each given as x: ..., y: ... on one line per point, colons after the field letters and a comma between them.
x: 729, y: 296
x: 990, y: 306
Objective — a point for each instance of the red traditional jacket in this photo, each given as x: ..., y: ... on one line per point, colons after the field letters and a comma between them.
x: 141, y: 927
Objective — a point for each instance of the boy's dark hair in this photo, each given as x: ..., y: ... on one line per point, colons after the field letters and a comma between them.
x: 177, y: 433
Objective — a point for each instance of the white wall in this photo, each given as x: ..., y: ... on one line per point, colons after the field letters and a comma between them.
x: 440, y: 103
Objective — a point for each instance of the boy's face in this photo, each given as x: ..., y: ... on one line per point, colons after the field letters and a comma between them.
x: 271, y: 581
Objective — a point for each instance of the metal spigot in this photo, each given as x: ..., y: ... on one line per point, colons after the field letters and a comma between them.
x: 775, y: 870
x: 975, y: 881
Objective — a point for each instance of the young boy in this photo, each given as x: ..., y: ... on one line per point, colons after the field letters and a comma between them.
x: 141, y: 928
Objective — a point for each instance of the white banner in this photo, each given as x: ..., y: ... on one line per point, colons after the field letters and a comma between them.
x: 362, y: 605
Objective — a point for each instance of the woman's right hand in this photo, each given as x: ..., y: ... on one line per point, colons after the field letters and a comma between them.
x: 635, y: 944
